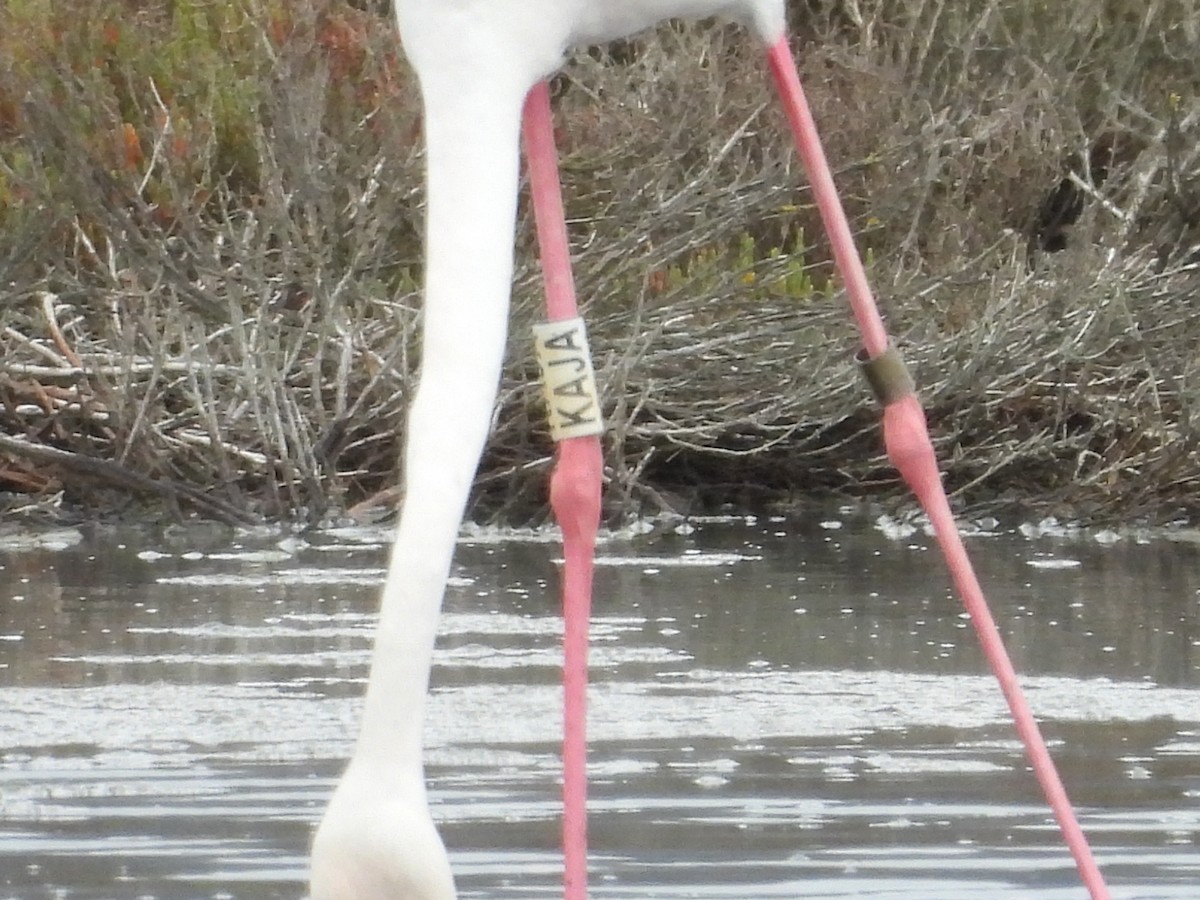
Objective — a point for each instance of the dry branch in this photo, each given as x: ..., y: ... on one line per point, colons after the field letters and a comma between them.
x: 74, y: 466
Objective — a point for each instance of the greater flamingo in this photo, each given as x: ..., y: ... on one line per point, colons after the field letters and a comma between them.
x: 477, y: 62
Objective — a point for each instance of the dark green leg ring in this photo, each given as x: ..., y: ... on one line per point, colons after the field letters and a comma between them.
x: 887, y: 375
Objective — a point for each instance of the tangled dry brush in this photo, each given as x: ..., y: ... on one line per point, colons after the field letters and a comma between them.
x: 210, y: 220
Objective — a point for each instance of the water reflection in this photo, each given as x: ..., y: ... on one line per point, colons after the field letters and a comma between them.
x: 780, y: 709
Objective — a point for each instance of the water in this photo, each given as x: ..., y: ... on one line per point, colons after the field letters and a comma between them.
x: 779, y: 710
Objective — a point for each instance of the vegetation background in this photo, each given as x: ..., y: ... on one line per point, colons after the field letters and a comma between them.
x: 210, y: 258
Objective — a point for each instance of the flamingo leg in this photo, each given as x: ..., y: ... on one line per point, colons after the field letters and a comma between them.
x: 576, y: 481
x: 906, y: 437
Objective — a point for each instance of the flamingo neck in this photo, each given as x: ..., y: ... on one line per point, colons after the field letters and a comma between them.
x: 472, y: 136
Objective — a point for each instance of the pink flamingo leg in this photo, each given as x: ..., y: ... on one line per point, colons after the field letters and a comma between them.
x: 574, y: 494
x: 911, y: 451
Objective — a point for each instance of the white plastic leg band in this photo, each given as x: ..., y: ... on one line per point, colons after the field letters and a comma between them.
x: 568, y: 381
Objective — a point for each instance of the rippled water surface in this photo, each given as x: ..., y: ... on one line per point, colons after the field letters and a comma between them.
x: 780, y: 709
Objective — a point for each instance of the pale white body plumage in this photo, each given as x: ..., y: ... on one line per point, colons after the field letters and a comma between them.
x: 476, y: 61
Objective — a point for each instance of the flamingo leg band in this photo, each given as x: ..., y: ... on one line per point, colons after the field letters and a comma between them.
x: 568, y: 379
